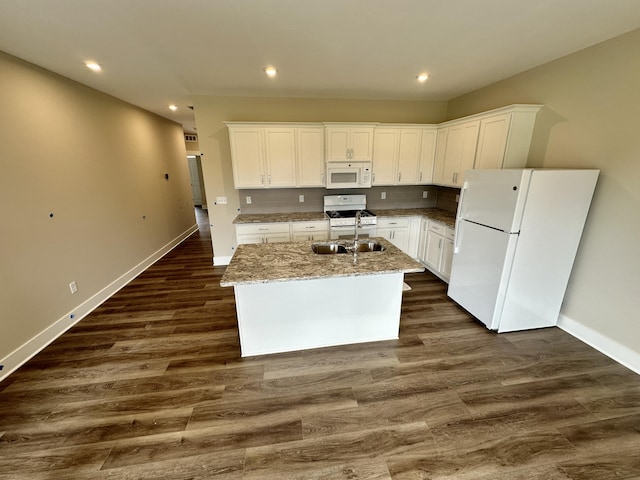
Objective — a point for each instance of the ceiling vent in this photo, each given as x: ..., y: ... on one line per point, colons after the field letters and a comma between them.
x: 189, y: 137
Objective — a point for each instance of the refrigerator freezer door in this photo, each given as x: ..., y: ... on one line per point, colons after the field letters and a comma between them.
x: 480, y: 270
x: 495, y: 198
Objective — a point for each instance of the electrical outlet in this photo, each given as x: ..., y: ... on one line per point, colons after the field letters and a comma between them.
x: 383, y: 195
x: 73, y: 287
x: 248, y: 200
x: 425, y: 194
x: 221, y: 200
x: 301, y: 198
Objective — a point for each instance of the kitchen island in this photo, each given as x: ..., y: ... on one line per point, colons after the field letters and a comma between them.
x: 289, y: 298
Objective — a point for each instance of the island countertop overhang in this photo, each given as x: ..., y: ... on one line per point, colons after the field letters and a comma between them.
x: 294, y: 261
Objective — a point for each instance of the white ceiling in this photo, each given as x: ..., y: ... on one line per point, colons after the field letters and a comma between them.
x: 158, y: 52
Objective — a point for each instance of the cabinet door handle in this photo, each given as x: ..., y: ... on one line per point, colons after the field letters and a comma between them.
x: 373, y: 177
x: 311, y: 227
x: 269, y: 179
x: 263, y: 229
x: 440, y: 244
x: 399, y: 176
x: 420, y: 178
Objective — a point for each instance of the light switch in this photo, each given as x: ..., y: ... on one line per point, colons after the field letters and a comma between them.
x: 301, y: 198
x: 221, y: 200
x: 248, y: 200
x: 383, y: 195
x: 425, y: 194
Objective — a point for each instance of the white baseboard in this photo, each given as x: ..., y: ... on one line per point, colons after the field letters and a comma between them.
x: 611, y: 348
x: 221, y: 261
x: 22, y: 354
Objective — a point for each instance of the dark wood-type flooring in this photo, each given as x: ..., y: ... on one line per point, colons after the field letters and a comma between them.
x: 151, y: 385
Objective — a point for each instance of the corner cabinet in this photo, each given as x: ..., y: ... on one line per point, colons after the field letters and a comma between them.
x: 276, y: 155
x: 349, y: 142
x: 496, y: 139
x: 403, y: 154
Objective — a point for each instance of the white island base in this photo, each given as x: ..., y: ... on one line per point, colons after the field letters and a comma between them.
x: 301, y: 314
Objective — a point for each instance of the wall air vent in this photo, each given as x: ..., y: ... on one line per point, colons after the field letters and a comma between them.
x: 189, y: 137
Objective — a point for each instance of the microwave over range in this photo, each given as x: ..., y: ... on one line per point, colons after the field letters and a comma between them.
x: 348, y: 174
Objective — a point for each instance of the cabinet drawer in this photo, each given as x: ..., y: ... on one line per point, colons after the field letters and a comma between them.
x: 436, y: 228
x: 393, y: 222
x: 262, y: 228
x: 315, y: 226
x: 450, y: 233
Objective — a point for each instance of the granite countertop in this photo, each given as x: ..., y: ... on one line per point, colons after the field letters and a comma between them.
x: 282, y: 262
x: 436, y: 214
x: 280, y: 217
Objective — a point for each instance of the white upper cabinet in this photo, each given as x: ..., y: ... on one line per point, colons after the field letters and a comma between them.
x: 349, y: 142
x: 310, y: 159
x: 403, y: 155
x: 496, y: 139
x: 427, y: 156
x: 460, y: 151
x: 276, y: 155
x: 409, y: 156
x: 492, y: 141
x: 280, y: 157
x: 504, y: 139
x: 385, y: 156
x: 247, y: 154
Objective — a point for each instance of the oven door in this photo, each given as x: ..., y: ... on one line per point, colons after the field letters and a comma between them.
x: 347, y: 232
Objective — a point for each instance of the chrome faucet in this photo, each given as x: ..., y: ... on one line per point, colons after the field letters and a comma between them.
x: 357, y: 223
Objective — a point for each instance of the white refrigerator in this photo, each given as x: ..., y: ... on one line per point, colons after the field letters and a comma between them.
x: 517, y: 234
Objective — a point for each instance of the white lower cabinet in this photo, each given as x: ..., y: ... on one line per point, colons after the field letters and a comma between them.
x: 438, y: 249
x: 422, y: 239
x: 316, y: 230
x: 396, y: 230
x: 447, y: 253
x: 263, y: 233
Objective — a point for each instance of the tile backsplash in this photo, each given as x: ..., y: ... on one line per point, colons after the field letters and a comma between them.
x: 283, y: 200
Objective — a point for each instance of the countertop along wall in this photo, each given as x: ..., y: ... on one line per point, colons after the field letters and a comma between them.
x: 590, y: 120
x: 213, y: 138
x: 97, y: 165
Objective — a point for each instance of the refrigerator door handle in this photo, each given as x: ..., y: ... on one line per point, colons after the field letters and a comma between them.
x: 456, y: 237
x: 465, y: 185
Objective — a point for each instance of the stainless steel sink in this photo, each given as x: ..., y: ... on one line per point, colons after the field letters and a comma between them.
x: 332, y: 248
x: 370, y: 247
x: 328, y: 248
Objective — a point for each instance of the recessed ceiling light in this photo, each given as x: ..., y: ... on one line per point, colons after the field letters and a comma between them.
x: 270, y: 71
x: 93, y: 66
x: 173, y: 107
x: 423, y: 77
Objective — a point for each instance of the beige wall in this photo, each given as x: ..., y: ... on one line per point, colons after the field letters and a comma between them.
x: 213, y: 139
x: 97, y: 164
x: 590, y: 119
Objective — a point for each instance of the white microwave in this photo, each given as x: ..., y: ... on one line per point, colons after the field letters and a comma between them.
x: 349, y: 175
